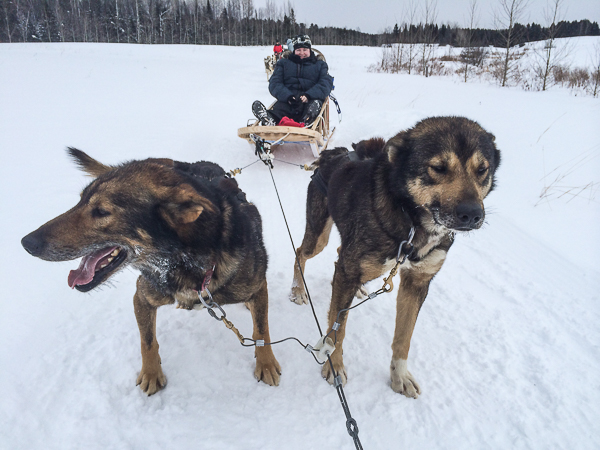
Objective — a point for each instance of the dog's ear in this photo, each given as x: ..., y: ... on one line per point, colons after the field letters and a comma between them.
x: 88, y: 164
x: 396, y: 145
x: 184, y: 205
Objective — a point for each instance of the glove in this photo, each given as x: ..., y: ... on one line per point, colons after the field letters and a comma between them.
x: 293, y: 101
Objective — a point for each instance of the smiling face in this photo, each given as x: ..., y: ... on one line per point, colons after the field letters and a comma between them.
x: 448, y: 169
x: 302, y: 52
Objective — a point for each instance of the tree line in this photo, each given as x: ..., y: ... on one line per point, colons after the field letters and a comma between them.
x: 481, y: 37
x: 223, y: 22
x: 204, y: 22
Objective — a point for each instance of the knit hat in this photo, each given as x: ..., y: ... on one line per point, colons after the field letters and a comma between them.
x: 302, y: 41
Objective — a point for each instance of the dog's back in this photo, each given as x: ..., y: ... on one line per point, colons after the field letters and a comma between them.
x: 332, y: 160
x: 202, y: 169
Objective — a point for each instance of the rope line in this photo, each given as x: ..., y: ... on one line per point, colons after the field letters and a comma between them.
x: 351, y: 425
x: 295, y: 254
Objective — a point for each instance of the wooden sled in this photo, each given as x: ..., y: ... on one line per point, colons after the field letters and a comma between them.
x: 317, y: 136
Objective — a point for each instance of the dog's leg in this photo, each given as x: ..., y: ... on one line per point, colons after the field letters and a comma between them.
x: 411, y: 295
x: 344, y: 287
x: 361, y: 293
x: 151, y: 377
x: 316, y: 237
x: 267, y: 367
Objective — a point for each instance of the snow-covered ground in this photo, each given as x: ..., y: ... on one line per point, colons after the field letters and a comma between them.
x: 506, y: 348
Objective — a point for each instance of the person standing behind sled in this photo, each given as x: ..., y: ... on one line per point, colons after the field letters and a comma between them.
x: 278, y: 50
x: 300, y: 83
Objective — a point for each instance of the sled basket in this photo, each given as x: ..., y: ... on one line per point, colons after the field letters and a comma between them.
x: 317, y: 136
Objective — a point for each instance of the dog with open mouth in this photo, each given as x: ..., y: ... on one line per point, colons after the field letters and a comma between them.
x: 406, y: 197
x: 185, y: 227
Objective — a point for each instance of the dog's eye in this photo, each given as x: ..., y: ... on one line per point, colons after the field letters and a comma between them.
x: 99, y: 212
x: 441, y: 169
x: 482, y: 170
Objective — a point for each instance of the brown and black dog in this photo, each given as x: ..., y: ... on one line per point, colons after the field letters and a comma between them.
x: 433, y: 178
x: 174, y: 222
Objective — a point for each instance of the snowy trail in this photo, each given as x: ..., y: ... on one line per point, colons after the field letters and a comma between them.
x: 506, y: 347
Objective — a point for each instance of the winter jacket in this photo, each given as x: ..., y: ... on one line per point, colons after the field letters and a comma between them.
x: 294, y: 76
x: 278, y: 49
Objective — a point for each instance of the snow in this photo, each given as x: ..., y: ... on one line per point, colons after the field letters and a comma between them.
x: 506, y: 348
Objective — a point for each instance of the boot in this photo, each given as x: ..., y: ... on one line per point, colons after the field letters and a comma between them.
x: 262, y: 114
x: 312, y: 111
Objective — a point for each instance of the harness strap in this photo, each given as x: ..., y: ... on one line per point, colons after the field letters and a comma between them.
x: 319, y: 181
x: 353, y: 156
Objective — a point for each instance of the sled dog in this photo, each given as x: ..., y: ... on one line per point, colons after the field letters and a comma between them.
x: 175, y: 222
x: 432, y: 178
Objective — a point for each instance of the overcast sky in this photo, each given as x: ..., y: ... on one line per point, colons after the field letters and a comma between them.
x: 373, y: 16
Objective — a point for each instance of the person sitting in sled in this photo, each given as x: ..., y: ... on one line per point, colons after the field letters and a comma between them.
x: 300, y: 83
x: 278, y: 50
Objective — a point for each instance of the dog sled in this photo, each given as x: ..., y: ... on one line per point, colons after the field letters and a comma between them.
x: 317, y: 136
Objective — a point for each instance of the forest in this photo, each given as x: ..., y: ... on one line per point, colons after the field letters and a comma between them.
x: 226, y: 22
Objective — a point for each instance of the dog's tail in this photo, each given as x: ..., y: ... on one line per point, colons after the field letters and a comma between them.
x: 365, y: 149
x: 369, y: 148
x: 330, y: 160
x: 327, y: 156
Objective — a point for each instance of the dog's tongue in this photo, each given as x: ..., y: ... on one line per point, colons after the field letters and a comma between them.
x: 87, y: 267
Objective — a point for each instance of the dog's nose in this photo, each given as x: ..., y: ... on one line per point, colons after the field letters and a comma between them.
x: 33, y: 244
x: 469, y: 214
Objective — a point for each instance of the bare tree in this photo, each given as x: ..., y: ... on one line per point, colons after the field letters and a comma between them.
x: 117, y: 19
x: 596, y: 70
x: 247, y: 13
x: 22, y: 20
x: 429, y: 18
x: 467, y: 36
x: 137, y: 21
x: 550, y: 56
x: 411, y: 34
x: 509, y: 13
x: 5, y: 5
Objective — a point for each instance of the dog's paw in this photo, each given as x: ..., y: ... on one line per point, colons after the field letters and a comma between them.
x: 402, y: 380
x: 361, y: 293
x: 151, y: 381
x: 268, y: 371
x: 340, y: 369
x: 298, y: 295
